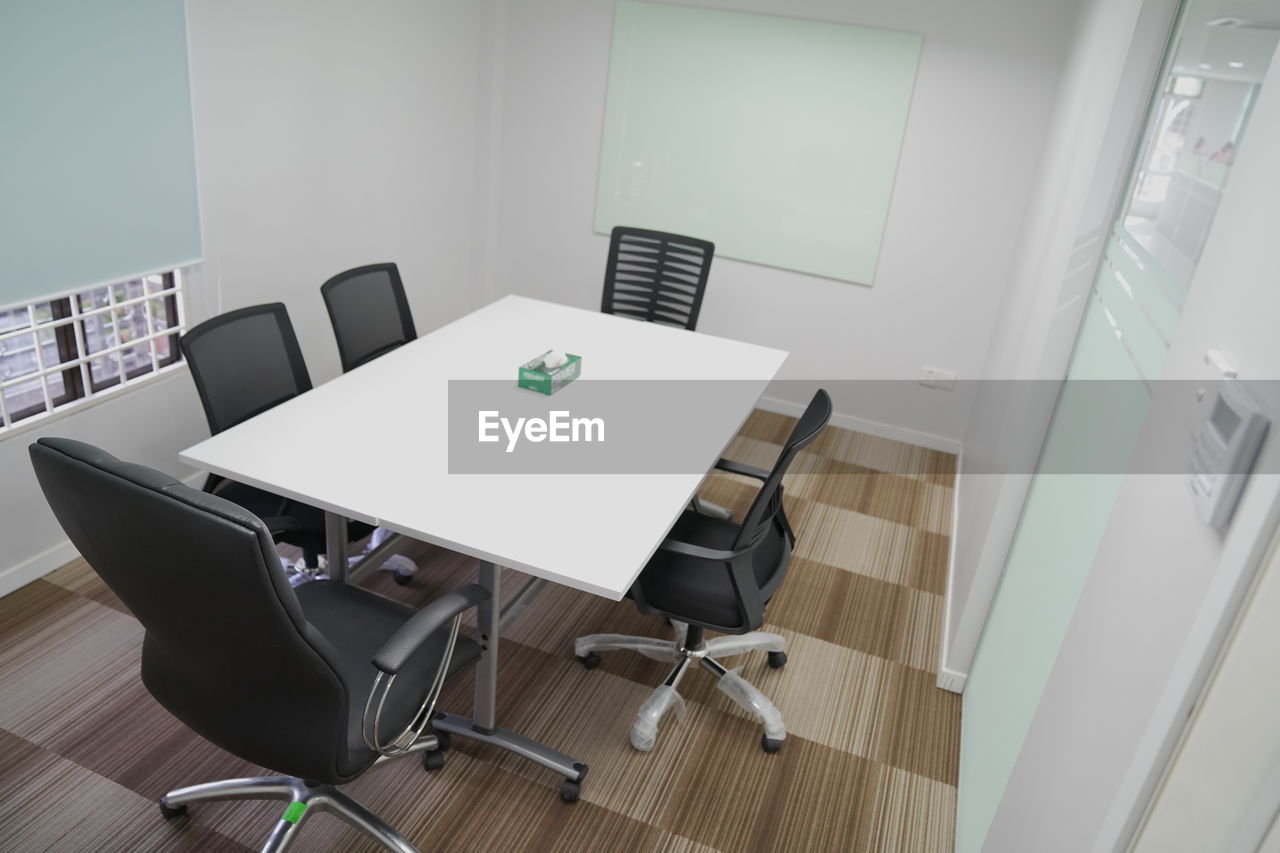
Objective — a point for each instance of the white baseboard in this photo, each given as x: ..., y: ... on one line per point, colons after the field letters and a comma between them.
x: 948, y: 678
x: 59, y: 555
x: 951, y: 680
x: 909, y: 436
x: 37, y: 566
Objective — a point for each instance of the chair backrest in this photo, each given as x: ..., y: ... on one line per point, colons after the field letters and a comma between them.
x: 245, y: 362
x: 227, y: 648
x: 766, y: 508
x: 369, y: 313
x: 656, y: 276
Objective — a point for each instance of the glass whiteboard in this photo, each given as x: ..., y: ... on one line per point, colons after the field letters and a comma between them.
x: 775, y: 138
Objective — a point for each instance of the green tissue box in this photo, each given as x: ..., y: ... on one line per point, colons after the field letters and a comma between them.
x: 534, y: 377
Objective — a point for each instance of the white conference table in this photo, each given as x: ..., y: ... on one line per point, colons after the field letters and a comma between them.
x: 373, y: 445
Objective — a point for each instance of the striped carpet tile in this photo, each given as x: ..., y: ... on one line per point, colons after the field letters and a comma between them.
x: 869, y: 764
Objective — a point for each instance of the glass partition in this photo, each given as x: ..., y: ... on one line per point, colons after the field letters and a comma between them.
x: 1197, y: 120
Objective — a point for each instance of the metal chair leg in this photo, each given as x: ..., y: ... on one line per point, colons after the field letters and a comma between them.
x: 644, y: 732
x: 253, y: 788
x: 730, y: 645
x: 282, y: 836
x: 342, y: 806
x: 660, y: 650
x: 304, y: 799
x: 750, y: 699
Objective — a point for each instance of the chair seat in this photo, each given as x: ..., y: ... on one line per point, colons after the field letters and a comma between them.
x: 357, y: 623
x: 266, y: 504
x: 259, y: 502
x: 697, y: 591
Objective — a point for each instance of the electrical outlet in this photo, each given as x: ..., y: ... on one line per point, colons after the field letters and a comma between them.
x: 934, y: 377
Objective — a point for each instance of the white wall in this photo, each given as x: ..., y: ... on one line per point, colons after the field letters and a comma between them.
x: 331, y: 134
x: 1115, y: 55
x: 1163, y: 587
x: 328, y: 134
x: 987, y: 81
x: 1222, y: 769
x: 149, y: 424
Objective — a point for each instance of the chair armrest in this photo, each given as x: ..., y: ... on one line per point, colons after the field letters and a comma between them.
x: 412, y: 634
x: 691, y: 550
x: 742, y: 470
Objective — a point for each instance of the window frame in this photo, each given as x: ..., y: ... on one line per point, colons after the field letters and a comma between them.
x: 74, y: 366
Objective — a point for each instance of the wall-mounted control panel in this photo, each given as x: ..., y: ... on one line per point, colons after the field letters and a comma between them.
x: 1223, y: 452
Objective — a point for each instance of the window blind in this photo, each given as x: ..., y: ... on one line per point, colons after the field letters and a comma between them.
x: 97, y: 164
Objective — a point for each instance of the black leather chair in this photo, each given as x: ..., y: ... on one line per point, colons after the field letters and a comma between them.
x: 656, y: 276
x: 245, y: 362
x: 714, y: 574
x: 317, y: 683
x: 369, y: 313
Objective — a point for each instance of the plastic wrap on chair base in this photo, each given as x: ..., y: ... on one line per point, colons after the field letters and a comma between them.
x: 644, y: 732
x: 730, y: 645
x: 746, y: 695
x: 660, y: 650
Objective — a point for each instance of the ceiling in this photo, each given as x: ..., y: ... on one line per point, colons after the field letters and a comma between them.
x: 1251, y: 44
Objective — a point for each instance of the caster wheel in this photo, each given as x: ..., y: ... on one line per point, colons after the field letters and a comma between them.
x: 401, y: 578
x: 591, y: 660
x: 432, y: 760
x: 443, y: 739
x: 768, y: 744
x: 170, y: 812
x: 570, y: 791
x: 777, y: 660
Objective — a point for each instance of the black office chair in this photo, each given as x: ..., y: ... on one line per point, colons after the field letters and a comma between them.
x: 370, y: 317
x: 369, y: 313
x: 656, y: 276
x: 245, y: 362
x: 713, y: 574
x: 317, y: 683
x: 660, y: 278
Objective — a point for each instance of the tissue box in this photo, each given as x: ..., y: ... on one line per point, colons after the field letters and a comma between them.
x: 535, y: 378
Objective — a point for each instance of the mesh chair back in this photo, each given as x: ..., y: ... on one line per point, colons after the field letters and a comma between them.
x: 369, y: 313
x: 227, y: 648
x: 656, y: 276
x: 245, y: 362
x: 765, y: 511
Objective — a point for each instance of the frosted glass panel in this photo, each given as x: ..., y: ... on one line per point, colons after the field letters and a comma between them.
x: 775, y: 138
x: 1196, y: 120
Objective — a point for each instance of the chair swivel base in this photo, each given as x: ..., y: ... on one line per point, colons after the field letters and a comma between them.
x: 305, y: 799
x: 688, y: 648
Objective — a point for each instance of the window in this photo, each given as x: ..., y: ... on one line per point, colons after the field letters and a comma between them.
x: 56, y: 352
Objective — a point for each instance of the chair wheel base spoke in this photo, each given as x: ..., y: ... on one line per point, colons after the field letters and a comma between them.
x: 777, y: 660
x: 432, y: 760
x: 590, y: 660
x: 570, y: 790
x: 768, y: 744
x: 171, y: 812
